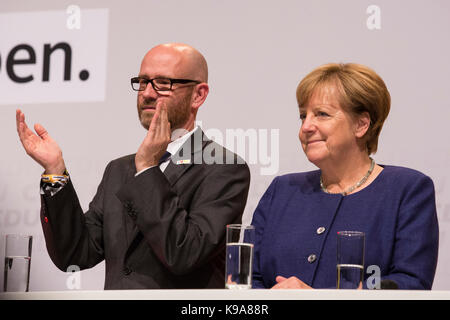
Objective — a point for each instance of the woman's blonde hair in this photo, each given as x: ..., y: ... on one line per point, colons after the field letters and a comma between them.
x: 360, y: 90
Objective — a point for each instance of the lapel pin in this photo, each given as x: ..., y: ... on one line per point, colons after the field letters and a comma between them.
x: 184, y: 161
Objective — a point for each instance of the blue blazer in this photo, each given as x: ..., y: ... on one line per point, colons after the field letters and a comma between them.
x: 297, y: 223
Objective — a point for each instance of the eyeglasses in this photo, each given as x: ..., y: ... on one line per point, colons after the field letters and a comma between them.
x: 160, y: 85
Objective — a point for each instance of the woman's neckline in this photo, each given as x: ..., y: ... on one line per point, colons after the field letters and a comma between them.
x: 372, y: 182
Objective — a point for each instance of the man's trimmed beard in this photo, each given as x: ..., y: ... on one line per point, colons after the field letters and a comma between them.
x: 178, y: 112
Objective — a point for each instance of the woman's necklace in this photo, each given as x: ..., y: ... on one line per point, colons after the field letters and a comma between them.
x: 358, y: 184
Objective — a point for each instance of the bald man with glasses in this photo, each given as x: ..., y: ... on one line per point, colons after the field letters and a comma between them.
x: 158, y: 218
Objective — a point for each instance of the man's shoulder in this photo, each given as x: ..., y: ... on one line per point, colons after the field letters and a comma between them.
x: 124, y: 159
x: 215, y: 153
x: 200, y: 149
x: 123, y: 162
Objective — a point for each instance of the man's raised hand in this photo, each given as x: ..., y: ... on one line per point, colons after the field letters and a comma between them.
x: 40, y: 146
x: 156, y: 141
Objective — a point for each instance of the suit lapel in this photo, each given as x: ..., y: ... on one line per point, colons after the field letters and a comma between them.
x: 189, y: 153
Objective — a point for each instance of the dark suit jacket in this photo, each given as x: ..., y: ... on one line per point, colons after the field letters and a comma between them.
x: 156, y: 230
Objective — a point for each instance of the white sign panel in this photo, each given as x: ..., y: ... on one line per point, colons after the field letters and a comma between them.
x: 53, y: 56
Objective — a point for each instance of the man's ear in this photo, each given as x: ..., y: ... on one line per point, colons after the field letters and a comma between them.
x: 362, y: 124
x: 199, y: 95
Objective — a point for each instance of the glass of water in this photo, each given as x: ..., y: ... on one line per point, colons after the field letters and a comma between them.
x: 350, y: 259
x: 239, y: 256
x: 17, y: 262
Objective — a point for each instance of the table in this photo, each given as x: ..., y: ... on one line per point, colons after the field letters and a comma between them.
x: 223, y: 294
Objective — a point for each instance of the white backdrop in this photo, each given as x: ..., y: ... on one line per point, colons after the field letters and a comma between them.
x: 257, y: 53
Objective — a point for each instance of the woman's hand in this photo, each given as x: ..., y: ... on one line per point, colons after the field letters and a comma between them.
x: 290, y: 283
